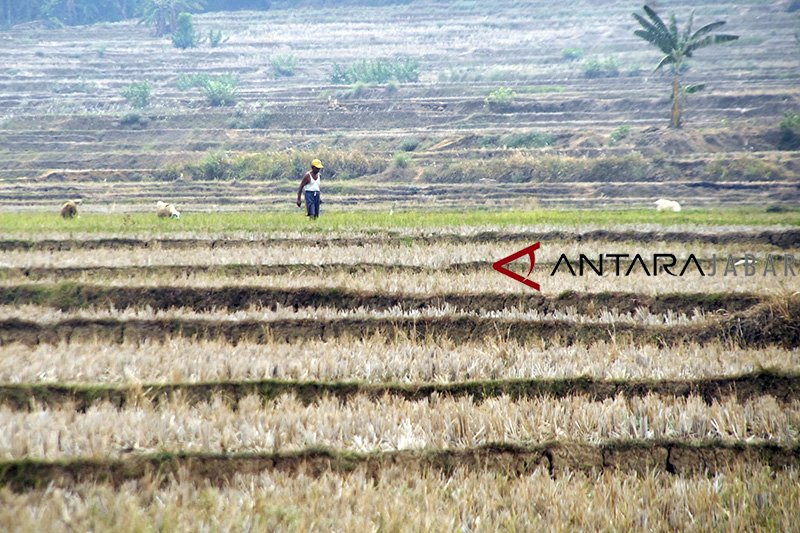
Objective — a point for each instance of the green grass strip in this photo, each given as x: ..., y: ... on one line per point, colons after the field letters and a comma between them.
x: 135, y: 223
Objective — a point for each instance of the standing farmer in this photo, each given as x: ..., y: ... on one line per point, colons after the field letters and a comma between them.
x: 310, y: 183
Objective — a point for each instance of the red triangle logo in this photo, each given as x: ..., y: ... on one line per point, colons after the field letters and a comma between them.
x: 529, y: 250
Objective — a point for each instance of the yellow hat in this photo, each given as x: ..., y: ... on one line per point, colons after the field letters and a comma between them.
x: 317, y: 163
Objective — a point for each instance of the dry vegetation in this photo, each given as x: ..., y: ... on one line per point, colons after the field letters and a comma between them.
x: 326, y: 250
x: 374, y: 360
x: 374, y: 280
x: 435, y: 146
x: 741, y: 498
x: 643, y: 317
x: 365, y: 425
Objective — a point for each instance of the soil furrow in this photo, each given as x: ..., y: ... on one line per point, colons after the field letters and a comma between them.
x: 764, y: 325
x: 675, y: 457
x: 71, y: 296
x: 784, y: 387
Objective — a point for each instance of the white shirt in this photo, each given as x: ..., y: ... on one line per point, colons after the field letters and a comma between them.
x: 313, y: 184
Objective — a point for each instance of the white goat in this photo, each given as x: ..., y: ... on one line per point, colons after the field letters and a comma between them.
x: 164, y: 210
x: 667, y: 205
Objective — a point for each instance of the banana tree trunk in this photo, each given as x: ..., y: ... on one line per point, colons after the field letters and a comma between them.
x: 675, y: 120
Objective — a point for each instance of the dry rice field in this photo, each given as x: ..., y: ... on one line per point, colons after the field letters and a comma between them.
x: 318, y: 384
x: 375, y: 372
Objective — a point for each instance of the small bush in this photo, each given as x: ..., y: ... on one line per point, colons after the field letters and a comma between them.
x: 220, y: 92
x: 243, y: 121
x: 572, y: 54
x: 133, y: 120
x: 746, y: 168
x: 376, y: 71
x: 261, y: 120
x: 138, y: 94
x: 284, y: 65
x: 339, y: 165
x: 521, y: 167
x: 185, y: 36
x: 215, y: 166
x: 201, y: 79
x: 409, y: 145
x: 358, y: 90
x: 790, y: 132
x: 620, y: 133
x: 188, y: 81
x: 402, y: 160
x: 500, y: 99
x: 531, y: 139
x: 601, y: 68
x: 215, y: 38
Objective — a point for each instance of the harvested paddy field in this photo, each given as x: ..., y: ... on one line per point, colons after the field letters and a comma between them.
x: 290, y: 359
x: 227, y: 362
x: 244, y: 368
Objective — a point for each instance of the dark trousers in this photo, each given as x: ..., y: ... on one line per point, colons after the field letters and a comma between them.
x: 312, y: 203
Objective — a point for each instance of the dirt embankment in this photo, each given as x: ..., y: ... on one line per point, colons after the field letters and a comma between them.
x: 71, y: 296
x: 782, y: 239
x: 559, y: 458
x: 764, y: 325
x: 781, y: 386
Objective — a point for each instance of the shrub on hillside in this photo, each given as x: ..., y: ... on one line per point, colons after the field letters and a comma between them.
x: 500, y: 99
x: 572, y: 54
x: 520, y: 167
x: 284, y: 65
x: 376, y: 71
x: 601, y: 68
x: 530, y: 139
x: 790, y: 132
x: 246, y: 121
x: 747, y: 168
x: 402, y: 160
x: 185, y: 36
x: 133, y: 120
x: 620, y: 133
x: 201, y: 79
x: 221, y: 92
x: 215, y: 38
x: 286, y: 165
x: 138, y: 94
x: 409, y: 145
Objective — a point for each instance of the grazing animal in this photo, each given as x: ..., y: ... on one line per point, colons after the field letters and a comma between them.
x: 165, y: 210
x: 667, y: 205
x: 70, y: 208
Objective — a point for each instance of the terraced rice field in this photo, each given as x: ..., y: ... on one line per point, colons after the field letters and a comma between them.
x: 566, y: 140
x: 243, y: 368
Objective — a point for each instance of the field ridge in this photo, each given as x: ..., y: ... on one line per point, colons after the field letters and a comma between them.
x: 669, y: 456
x: 783, y: 386
x: 763, y: 325
x: 68, y: 296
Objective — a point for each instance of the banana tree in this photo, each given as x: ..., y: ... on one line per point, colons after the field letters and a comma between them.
x: 677, y: 47
x: 163, y: 14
